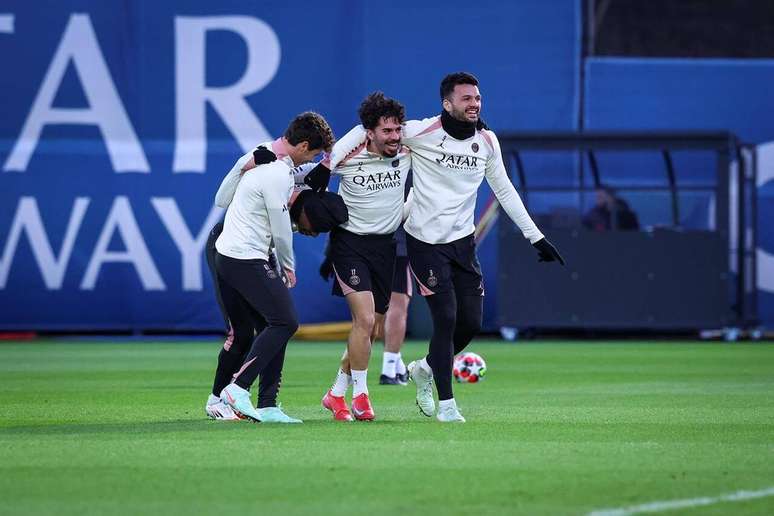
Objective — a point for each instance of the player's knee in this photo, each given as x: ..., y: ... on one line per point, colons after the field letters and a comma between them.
x: 445, y: 314
x: 241, y: 338
x: 365, y: 322
x: 245, y: 335
x: 287, y: 324
x: 443, y: 309
x: 470, y: 314
x: 291, y: 325
x: 471, y: 323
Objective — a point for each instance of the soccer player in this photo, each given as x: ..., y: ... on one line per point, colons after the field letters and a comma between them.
x: 393, y: 327
x: 451, y: 155
x: 229, y: 362
x: 362, y: 251
x: 253, y: 293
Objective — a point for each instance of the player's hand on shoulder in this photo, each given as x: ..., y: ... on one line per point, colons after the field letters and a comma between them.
x: 262, y: 156
x: 318, y: 178
x: 547, y: 252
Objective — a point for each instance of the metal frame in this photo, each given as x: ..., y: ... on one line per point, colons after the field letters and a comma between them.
x: 723, y: 143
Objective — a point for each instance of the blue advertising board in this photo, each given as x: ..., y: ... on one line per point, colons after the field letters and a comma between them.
x: 121, y: 118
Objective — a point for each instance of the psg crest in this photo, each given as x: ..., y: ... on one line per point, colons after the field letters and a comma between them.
x: 432, y: 280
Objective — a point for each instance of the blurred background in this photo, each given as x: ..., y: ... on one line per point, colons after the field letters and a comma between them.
x: 640, y: 134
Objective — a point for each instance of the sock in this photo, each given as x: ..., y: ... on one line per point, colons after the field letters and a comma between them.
x: 389, y: 363
x: 339, y: 387
x: 212, y: 400
x: 359, y: 385
x: 444, y: 404
x: 400, y: 367
x: 425, y: 366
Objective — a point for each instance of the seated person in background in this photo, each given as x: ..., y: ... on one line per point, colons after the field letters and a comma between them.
x: 610, y: 213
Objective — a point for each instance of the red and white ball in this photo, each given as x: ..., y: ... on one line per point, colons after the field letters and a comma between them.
x: 469, y: 368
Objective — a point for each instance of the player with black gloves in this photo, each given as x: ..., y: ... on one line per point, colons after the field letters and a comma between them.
x: 451, y: 155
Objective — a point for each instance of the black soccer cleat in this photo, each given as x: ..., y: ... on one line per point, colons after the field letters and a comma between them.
x: 389, y: 380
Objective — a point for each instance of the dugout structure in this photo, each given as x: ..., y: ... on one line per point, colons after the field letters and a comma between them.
x: 668, y: 276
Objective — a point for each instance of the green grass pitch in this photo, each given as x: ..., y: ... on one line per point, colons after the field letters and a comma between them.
x: 556, y: 428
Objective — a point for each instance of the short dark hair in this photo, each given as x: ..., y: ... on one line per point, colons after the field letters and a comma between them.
x: 453, y: 79
x: 376, y: 106
x: 313, y: 128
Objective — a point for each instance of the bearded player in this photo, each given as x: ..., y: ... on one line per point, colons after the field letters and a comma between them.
x: 451, y: 155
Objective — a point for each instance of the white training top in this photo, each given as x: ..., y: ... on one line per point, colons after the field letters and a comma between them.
x: 228, y: 186
x: 446, y: 176
x: 257, y: 214
x: 371, y: 186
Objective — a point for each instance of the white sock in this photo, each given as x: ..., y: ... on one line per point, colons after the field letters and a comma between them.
x: 389, y: 362
x: 212, y: 400
x: 444, y: 404
x: 400, y: 367
x: 359, y: 382
x: 339, y: 387
x: 425, y: 366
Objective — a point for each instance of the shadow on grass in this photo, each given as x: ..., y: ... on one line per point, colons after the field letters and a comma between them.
x: 105, y: 428
x: 179, y: 425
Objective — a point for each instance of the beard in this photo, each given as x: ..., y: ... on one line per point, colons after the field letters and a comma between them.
x: 462, y: 116
x: 387, y: 151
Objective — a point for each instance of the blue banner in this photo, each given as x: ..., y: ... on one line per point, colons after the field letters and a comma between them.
x: 121, y: 118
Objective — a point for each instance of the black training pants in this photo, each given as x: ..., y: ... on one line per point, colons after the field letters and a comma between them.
x: 254, y: 296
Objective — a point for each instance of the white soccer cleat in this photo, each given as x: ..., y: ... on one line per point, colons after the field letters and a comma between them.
x: 424, y: 383
x: 450, y: 414
x: 216, y: 409
x: 275, y: 415
x: 239, y: 400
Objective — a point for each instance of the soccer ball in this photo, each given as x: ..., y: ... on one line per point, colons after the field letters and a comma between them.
x: 469, y: 368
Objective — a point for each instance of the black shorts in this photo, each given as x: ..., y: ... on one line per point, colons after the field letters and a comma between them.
x: 444, y: 267
x: 401, y: 278
x: 363, y: 263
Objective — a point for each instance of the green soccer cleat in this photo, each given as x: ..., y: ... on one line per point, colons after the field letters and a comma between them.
x: 424, y: 383
x: 275, y: 415
x: 239, y: 399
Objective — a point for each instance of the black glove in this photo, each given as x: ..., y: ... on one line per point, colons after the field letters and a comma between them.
x: 317, y: 178
x: 326, y: 269
x: 547, y: 252
x: 262, y: 155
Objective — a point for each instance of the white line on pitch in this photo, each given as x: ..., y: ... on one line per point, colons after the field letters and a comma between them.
x: 739, y: 496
